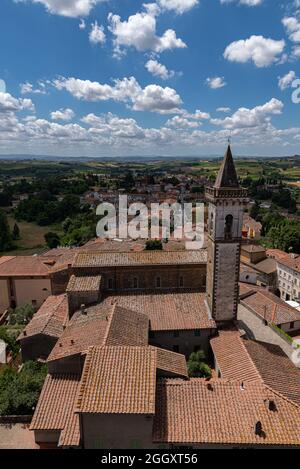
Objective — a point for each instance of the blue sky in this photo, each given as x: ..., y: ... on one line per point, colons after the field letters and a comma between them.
x: 175, y: 77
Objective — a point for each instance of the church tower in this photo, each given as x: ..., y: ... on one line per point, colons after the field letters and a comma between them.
x: 225, y: 222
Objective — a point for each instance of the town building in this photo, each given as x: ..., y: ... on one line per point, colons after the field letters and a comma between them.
x: 288, y: 270
x: 116, y: 379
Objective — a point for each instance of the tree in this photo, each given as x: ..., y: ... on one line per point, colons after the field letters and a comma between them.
x: 19, y: 392
x: 154, y: 245
x: 52, y: 240
x: 21, y: 315
x: 16, y: 232
x: 197, y: 368
x: 5, y: 234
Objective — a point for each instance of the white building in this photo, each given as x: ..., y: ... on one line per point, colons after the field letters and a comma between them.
x: 288, y: 270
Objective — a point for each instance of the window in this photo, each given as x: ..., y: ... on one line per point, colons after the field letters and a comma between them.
x: 292, y: 325
x: 158, y: 282
x: 135, y: 282
x: 34, y: 303
x: 110, y: 283
x: 181, y: 281
x: 176, y: 348
x: 151, y: 335
x: 228, y: 227
x: 175, y: 334
x: 197, y: 333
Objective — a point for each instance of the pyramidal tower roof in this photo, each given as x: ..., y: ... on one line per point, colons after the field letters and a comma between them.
x: 227, y: 176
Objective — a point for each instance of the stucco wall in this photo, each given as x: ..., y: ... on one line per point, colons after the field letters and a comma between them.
x: 114, y: 431
x: 4, y: 296
x: 27, y: 290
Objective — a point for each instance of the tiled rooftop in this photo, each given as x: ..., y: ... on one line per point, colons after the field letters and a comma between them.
x: 55, y: 409
x: 118, y: 380
x: 171, y: 362
x: 84, y: 284
x: 109, y: 259
x: 232, y: 357
x: 224, y: 412
x: 22, y: 266
x: 101, y: 324
x: 50, y: 319
x: 184, y: 310
x: 292, y: 261
x: 249, y: 360
x: 271, y: 308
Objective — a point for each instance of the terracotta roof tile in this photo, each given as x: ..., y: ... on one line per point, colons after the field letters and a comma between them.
x: 232, y: 357
x: 184, y: 310
x: 107, y: 259
x: 223, y: 412
x: 84, y: 284
x: 55, y: 408
x: 270, y: 307
x: 171, y: 362
x: 118, y: 380
x: 50, y: 319
x: 292, y: 261
x: 22, y: 266
x: 101, y: 324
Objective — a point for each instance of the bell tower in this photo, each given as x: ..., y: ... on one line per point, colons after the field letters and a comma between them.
x: 227, y: 201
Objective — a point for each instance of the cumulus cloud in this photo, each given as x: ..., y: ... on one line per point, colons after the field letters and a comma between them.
x: 97, y: 34
x: 287, y: 80
x: 28, y: 88
x: 216, y: 82
x: 82, y: 24
x: 70, y: 8
x: 179, y: 6
x: 224, y: 109
x: 10, y: 104
x: 179, y: 122
x: 159, y: 70
x: 152, y: 98
x: 139, y: 31
x: 249, y: 3
x: 63, y: 114
x: 256, y: 117
x: 292, y: 26
x: 262, y: 51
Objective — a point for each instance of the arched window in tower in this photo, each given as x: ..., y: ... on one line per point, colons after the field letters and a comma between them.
x: 228, y: 227
x: 158, y: 282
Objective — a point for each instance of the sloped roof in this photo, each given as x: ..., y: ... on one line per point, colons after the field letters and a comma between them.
x: 168, y: 311
x: 50, y: 319
x: 109, y: 259
x: 84, y: 284
x: 101, y: 324
x: 118, y: 380
x: 232, y: 357
x: 224, y: 412
x: 55, y: 408
x: 23, y: 266
x: 270, y: 307
x: 227, y: 177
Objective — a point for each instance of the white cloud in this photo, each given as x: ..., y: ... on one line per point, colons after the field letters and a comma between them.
x: 63, y: 114
x: 216, y: 82
x: 159, y: 70
x: 296, y: 52
x: 249, y: 3
x: 287, y: 80
x: 10, y: 104
x: 292, y: 26
x: 179, y: 122
x: 139, y: 31
x: 2, y: 86
x: 28, y: 88
x: 196, y: 115
x: 262, y: 51
x: 82, y: 24
x: 224, y: 109
x: 71, y: 8
x: 257, y: 117
x: 113, y: 126
x: 179, y: 6
x: 97, y: 34
x: 152, y: 98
